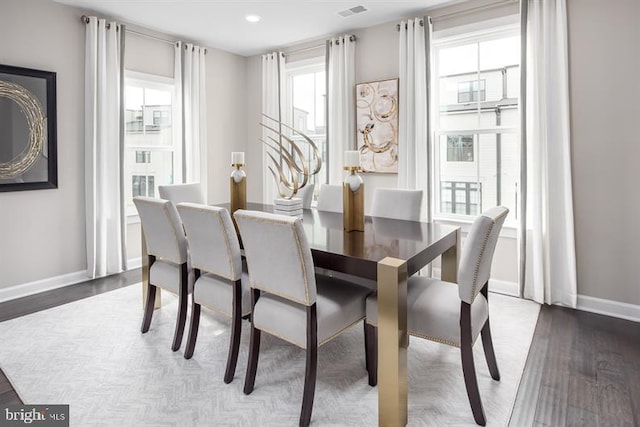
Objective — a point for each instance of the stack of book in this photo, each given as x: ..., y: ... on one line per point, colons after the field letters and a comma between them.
x: 291, y: 207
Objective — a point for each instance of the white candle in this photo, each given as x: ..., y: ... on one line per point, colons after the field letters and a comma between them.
x: 237, y: 158
x: 351, y: 159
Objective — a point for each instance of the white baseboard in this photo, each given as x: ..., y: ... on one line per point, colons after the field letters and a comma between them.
x: 25, y: 289
x: 498, y: 286
x: 621, y: 310
x: 48, y: 284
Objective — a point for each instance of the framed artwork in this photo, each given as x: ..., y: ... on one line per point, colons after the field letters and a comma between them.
x: 28, y: 158
x: 377, y: 125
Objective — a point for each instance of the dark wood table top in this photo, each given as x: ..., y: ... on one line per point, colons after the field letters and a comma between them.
x: 358, y: 252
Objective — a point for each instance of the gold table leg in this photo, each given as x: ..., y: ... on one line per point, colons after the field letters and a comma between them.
x: 450, y: 260
x: 145, y: 274
x: 393, y: 342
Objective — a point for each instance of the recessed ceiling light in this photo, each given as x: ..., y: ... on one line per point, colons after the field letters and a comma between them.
x: 252, y: 18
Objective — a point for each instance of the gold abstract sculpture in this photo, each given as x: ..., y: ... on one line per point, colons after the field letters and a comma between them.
x: 292, y: 166
x: 36, y: 122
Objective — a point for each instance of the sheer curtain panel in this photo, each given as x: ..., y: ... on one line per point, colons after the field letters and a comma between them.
x: 340, y: 103
x: 190, y: 78
x: 413, y: 157
x: 104, y: 47
x: 549, y: 274
x: 272, y: 87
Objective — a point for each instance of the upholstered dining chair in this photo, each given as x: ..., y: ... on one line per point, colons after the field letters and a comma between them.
x: 220, y: 283
x: 330, y: 198
x: 167, y: 252
x: 397, y: 203
x: 179, y: 193
x: 456, y: 314
x: 306, y: 194
x: 288, y: 300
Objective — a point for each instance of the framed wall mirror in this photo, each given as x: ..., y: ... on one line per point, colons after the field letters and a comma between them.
x: 28, y: 157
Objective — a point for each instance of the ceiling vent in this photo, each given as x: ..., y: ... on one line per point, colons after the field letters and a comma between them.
x: 354, y: 10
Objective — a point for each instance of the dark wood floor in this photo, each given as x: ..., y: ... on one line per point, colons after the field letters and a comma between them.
x: 583, y: 369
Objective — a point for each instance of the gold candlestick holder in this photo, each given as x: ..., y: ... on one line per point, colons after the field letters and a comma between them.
x: 238, y: 188
x: 353, y: 200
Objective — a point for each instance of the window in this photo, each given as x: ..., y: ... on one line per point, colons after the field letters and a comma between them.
x: 151, y: 156
x: 477, y: 150
x: 142, y: 185
x: 143, y: 156
x: 305, y: 108
x: 468, y: 91
x: 460, y: 148
x: 461, y: 197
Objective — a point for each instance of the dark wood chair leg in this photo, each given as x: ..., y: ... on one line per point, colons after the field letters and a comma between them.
x: 371, y: 344
x: 468, y: 367
x: 183, y: 298
x: 193, y: 330
x: 254, y: 349
x: 149, y: 303
x: 366, y: 344
x: 487, y: 343
x: 311, y: 366
x: 236, y: 329
x: 194, y: 323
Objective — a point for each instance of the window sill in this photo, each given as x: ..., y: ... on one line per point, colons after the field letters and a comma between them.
x: 509, y: 231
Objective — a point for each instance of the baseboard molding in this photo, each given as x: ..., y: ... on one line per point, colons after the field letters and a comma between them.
x: 621, y: 310
x: 51, y: 283
x: 503, y: 287
x: 26, y: 289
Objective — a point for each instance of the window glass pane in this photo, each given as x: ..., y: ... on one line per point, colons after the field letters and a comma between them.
x: 149, y: 158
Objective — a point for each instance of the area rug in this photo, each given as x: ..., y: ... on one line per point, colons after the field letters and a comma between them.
x: 91, y: 355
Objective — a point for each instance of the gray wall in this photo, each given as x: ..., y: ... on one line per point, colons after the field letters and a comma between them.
x: 604, y: 59
x: 42, y: 233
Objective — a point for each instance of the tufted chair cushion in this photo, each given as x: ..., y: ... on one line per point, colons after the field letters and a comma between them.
x: 278, y: 255
x: 162, y: 229
x: 179, y: 193
x: 397, y: 203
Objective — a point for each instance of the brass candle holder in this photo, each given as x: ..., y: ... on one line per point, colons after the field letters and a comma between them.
x: 353, y: 200
x: 238, y: 187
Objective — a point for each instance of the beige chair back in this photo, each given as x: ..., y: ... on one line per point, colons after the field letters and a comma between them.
x: 179, y: 193
x: 477, y: 254
x: 330, y: 198
x: 162, y: 229
x: 278, y: 255
x: 306, y: 194
x: 213, y: 243
x: 397, y: 203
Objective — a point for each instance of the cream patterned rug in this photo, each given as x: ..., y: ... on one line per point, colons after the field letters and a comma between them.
x: 91, y: 355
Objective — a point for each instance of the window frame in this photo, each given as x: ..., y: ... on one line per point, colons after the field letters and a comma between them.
x: 475, y: 36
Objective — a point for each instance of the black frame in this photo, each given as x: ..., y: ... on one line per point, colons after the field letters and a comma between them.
x: 49, y: 106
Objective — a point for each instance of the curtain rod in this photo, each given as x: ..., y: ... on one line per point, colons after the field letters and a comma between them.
x: 465, y: 11
x: 85, y: 19
x: 352, y: 38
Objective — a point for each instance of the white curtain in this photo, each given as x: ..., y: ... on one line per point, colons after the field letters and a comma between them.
x: 341, y: 132
x: 272, y: 87
x: 103, y: 148
x: 190, y: 77
x: 550, y: 262
x: 413, y: 160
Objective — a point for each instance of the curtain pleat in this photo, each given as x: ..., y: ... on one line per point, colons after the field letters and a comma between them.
x: 272, y: 87
x: 413, y: 137
x: 103, y: 196
x: 550, y: 262
x: 190, y: 76
x: 341, y: 104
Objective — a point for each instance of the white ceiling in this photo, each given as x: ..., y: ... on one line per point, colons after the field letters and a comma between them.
x: 221, y: 24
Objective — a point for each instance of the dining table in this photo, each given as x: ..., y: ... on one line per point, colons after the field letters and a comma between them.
x: 388, y: 251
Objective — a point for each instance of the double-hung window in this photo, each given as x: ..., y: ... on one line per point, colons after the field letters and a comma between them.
x: 152, y: 157
x: 476, y: 123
